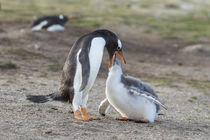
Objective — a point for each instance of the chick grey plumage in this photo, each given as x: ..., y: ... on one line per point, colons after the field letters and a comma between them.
x: 131, y: 97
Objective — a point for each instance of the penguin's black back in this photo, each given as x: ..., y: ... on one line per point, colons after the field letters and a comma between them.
x: 66, y: 91
x: 52, y: 20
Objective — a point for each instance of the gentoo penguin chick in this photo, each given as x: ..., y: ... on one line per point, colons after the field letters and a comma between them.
x: 81, y: 68
x: 50, y: 23
x: 132, y: 98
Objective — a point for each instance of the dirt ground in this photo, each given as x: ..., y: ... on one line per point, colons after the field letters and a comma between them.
x: 181, y: 79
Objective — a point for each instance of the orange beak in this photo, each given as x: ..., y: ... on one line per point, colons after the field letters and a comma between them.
x: 69, y: 17
x: 113, y: 57
x: 121, y: 55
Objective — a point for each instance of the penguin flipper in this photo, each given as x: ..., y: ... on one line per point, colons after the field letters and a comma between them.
x: 104, y: 107
x: 85, y: 63
x: 146, y: 95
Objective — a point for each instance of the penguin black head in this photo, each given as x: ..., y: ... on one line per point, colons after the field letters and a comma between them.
x: 50, y: 20
x: 115, y: 66
x: 113, y: 44
x: 63, y: 18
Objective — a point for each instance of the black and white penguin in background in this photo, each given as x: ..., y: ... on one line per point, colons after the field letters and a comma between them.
x: 81, y: 68
x: 50, y: 23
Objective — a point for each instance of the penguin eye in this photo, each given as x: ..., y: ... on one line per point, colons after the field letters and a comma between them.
x: 118, y: 48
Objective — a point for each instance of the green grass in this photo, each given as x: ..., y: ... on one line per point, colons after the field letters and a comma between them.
x: 114, y: 138
x: 43, y: 84
x: 158, y: 81
x: 84, y: 134
x: 172, y: 22
x: 55, y: 67
x: 202, y: 86
x: 137, y: 132
x: 8, y: 65
x: 48, y: 111
x: 24, y: 53
x: 5, y: 85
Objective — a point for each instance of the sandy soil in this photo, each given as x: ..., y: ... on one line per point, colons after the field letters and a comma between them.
x: 178, y: 77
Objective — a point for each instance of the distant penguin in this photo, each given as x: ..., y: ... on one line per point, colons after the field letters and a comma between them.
x: 81, y: 68
x: 50, y: 23
x: 132, y: 98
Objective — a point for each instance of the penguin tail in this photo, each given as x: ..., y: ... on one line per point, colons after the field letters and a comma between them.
x: 41, y: 98
x: 45, y: 98
x: 161, y: 113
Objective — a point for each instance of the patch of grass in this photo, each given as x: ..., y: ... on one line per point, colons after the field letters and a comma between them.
x: 174, y: 74
x: 137, y: 132
x: 194, y: 98
x: 10, y: 81
x: 167, y: 19
x: 203, y: 86
x: 31, y: 82
x: 55, y: 67
x: 8, y: 65
x: 24, y: 53
x: 5, y: 84
x: 190, y: 100
x: 49, y: 111
x: 159, y: 81
x: 114, y: 138
x: 85, y: 22
x: 22, y: 89
x: 84, y: 134
x: 172, y: 6
x: 43, y: 84
x: 43, y: 75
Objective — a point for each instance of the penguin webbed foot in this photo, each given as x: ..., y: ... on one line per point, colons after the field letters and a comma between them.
x: 123, y: 119
x: 84, y: 116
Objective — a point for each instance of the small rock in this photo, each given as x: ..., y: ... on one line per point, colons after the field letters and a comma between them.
x: 36, y: 46
x: 175, y: 45
x: 48, y: 132
x: 2, y: 31
x: 199, y: 48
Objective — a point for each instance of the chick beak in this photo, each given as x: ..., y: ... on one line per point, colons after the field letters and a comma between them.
x: 113, y: 57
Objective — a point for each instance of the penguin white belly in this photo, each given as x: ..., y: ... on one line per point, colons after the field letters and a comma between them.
x: 95, y: 58
x: 55, y: 28
x: 133, y: 107
x: 39, y: 26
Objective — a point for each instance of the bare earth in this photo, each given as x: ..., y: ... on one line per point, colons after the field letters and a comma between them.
x: 180, y: 78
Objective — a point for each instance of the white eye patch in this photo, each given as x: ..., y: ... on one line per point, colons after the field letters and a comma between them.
x: 61, y: 17
x: 119, y: 44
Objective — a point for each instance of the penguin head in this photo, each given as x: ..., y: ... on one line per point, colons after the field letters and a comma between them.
x: 63, y: 18
x: 116, y: 49
x: 113, y: 44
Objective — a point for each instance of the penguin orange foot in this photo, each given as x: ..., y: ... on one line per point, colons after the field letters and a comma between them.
x: 77, y: 115
x: 123, y: 118
x: 84, y: 116
x: 81, y: 69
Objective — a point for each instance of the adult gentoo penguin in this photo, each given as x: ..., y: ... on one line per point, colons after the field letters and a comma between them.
x: 132, y: 98
x: 50, y: 23
x: 81, y: 68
